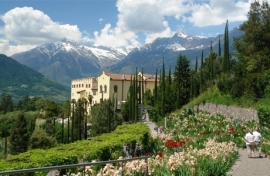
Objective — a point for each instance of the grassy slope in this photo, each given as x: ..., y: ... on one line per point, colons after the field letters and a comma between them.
x: 18, y: 80
x: 213, y: 95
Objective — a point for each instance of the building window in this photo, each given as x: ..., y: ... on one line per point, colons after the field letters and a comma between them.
x: 101, y: 88
x: 89, y: 85
x: 115, y: 89
x: 82, y: 85
x: 94, y: 92
x: 105, y: 88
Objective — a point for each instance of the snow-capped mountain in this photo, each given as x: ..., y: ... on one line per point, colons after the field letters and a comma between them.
x: 150, y: 57
x: 65, y: 60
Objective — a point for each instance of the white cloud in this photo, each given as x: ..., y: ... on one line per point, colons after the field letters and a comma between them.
x: 216, y: 12
x: 27, y: 27
x: 115, y: 37
x: 140, y: 15
x: 149, y: 17
x: 166, y: 33
x: 9, y: 50
x: 146, y: 16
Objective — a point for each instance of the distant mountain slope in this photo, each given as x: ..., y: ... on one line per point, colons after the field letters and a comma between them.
x: 151, y: 55
x: 66, y: 60
x: 19, y: 80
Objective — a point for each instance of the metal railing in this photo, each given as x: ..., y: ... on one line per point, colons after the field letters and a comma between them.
x: 60, y: 167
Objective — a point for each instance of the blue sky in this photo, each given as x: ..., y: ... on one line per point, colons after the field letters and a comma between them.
x: 25, y: 24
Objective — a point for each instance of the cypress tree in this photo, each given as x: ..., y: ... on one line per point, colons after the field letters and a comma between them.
x: 72, y: 120
x: 225, y: 63
x: 142, y: 87
x: 6, y: 141
x: 85, y: 118
x: 182, y: 80
x: 139, y: 89
x: 130, y: 99
x: 202, y: 60
x: 196, y: 65
x: 201, y: 74
x: 155, y: 90
x: 133, y: 100
x: 19, y: 137
x: 109, y: 115
x: 219, y: 47
x: 68, y: 127
x: 136, y: 96
x: 80, y: 119
x: 163, y: 90
x: 169, y: 95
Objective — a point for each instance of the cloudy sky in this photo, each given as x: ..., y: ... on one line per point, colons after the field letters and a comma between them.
x: 25, y: 24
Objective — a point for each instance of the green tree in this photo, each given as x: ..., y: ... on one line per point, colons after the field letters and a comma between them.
x: 162, y: 88
x: 169, y: 94
x: 73, y: 103
x: 253, y: 51
x: 53, y: 109
x: 182, y: 80
x: 226, y: 55
x: 201, y: 74
x: 155, y: 89
x: 102, y: 114
x: 79, y: 120
x: 41, y: 140
x: 6, y: 103
x: 18, y: 140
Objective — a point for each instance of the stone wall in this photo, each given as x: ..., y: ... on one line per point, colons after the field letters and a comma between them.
x: 245, y: 114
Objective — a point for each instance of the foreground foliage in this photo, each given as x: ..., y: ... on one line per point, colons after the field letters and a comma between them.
x: 193, y: 144
x: 104, y: 147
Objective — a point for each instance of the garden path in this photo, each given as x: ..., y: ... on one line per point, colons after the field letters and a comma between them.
x: 150, y: 124
x: 245, y: 166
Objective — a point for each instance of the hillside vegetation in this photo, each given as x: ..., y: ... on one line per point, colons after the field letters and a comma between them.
x: 214, y: 95
x: 18, y: 80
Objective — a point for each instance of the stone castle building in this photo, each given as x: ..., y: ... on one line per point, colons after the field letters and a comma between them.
x: 108, y: 85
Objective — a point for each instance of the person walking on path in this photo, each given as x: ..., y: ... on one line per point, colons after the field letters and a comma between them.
x: 257, y: 141
x: 249, y: 138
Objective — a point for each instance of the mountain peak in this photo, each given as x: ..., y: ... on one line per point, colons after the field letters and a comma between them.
x: 181, y: 33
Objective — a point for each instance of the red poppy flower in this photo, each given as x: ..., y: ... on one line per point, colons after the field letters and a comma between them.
x: 160, y: 154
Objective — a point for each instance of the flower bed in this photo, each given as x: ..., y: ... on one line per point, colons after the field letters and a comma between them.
x: 198, y: 144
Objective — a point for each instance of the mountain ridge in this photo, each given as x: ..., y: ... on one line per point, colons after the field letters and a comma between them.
x: 65, y: 60
x: 191, y: 46
x: 18, y: 80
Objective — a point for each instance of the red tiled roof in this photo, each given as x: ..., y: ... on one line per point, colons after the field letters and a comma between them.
x: 128, y: 77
